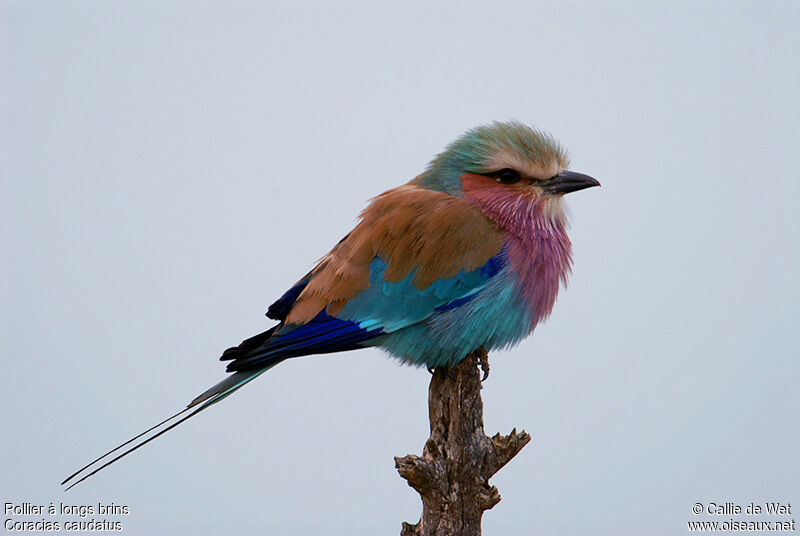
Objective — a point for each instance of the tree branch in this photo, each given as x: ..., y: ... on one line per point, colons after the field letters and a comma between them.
x: 452, y: 475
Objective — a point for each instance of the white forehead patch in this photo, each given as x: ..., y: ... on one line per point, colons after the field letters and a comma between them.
x: 536, y: 170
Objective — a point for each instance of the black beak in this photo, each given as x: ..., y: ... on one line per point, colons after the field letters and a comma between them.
x: 568, y: 181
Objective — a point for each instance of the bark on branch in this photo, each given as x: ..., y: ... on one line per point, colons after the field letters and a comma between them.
x: 452, y: 475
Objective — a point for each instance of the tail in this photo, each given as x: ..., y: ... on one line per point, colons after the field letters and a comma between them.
x: 253, y: 357
x: 210, y: 397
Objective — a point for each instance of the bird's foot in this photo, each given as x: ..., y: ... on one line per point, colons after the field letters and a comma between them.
x: 483, y: 360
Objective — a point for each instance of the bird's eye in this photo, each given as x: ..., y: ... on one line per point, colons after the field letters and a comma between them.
x: 507, y: 176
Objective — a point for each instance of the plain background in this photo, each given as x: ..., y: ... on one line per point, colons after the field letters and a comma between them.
x: 170, y: 168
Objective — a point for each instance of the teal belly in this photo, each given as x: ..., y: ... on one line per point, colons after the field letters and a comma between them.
x: 497, y: 318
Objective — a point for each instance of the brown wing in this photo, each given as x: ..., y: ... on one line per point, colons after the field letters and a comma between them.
x: 409, y: 228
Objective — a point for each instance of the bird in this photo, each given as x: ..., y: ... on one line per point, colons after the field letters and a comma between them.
x: 468, y: 256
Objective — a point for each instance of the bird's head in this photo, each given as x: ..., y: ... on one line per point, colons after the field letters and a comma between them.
x: 506, y: 164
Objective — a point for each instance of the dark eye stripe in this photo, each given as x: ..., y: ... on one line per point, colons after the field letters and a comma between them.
x: 506, y: 176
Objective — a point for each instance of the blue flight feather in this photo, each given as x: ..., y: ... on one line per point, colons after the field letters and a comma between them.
x: 324, y: 334
x: 280, y: 309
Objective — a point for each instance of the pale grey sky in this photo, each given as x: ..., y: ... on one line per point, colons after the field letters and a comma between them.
x: 170, y: 168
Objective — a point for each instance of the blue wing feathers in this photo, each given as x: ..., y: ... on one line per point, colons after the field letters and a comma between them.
x: 494, y: 265
x: 455, y: 303
x: 395, y: 305
x: 280, y: 309
x: 324, y: 334
x: 384, y: 307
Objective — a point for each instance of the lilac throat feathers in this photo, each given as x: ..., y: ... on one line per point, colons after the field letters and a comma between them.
x: 540, y: 252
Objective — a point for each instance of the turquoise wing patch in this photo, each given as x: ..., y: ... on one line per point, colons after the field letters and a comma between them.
x: 391, y: 306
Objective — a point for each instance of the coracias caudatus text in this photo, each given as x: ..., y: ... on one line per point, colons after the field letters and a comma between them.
x: 468, y: 255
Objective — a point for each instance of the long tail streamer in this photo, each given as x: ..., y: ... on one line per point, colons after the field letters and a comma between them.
x: 210, y: 397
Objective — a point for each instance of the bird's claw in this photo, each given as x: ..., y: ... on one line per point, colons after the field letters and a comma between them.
x: 483, y: 360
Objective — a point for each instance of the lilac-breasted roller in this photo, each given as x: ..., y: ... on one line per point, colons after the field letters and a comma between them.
x: 470, y: 254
